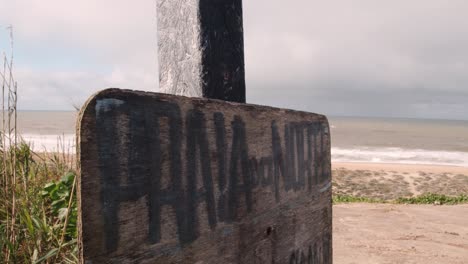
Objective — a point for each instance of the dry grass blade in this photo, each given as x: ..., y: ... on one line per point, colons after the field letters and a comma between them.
x: 38, y: 215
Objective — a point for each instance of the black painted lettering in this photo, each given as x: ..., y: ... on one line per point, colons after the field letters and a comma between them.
x: 278, y: 167
x: 140, y: 181
x: 239, y: 156
x: 290, y: 164
x: 110, y: 181
x: 316, y: 140
x: 310, y: 158
x: 301, y: 160
x: 174, y: 195
x: 300, y: 155
x: 154, y: 199
x: 221, y: 151
x: 196, y: 136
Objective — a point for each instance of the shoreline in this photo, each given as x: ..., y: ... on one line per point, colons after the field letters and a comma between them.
x: 400, y: 167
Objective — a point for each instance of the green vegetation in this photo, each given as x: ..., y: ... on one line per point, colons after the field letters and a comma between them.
x: 38, y: 212
x: 429, y: 198
x: 432, y: 198
x: 354, y: 199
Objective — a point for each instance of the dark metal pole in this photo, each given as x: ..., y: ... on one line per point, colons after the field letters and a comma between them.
x: 201, y: 48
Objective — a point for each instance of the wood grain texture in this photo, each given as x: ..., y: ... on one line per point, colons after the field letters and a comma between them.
x: 171, y: 179
x: 201, y: 48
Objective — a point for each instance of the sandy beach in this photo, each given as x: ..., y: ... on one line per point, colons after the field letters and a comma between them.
x: 392, y: 181
x: 388, y: 233
x: 391, y: 233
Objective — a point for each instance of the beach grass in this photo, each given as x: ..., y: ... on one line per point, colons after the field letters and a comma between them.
x: 354, y: 199
x: 428, y: 198
x: 38, y: 215
x: 432, y: 198
x: 38, y: 212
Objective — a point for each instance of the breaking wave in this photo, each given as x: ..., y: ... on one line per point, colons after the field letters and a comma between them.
x: 399, y: 155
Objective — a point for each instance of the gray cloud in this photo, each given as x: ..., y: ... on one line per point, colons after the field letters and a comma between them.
x: 394, y: 58
x: 113, y: 41
x: 363, y: 57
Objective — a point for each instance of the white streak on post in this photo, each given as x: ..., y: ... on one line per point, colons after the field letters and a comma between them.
x: 179, y: 48
x: 201, y: 48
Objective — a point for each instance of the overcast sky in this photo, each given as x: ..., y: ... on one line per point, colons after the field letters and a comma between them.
x: 401, y: 58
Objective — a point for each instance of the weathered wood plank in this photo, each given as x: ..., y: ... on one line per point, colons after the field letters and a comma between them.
x: 171, y: 179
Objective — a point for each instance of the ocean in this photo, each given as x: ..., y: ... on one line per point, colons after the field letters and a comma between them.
x: 51, y: 131
x: 407, y: 141
x: 354, y: 139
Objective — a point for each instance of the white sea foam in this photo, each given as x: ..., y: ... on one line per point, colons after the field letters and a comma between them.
x: 399, y: 155
x: 51, y: 143
x: 66, y: 143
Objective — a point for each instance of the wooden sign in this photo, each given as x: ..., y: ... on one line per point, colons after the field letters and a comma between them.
x: 171, y: 179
